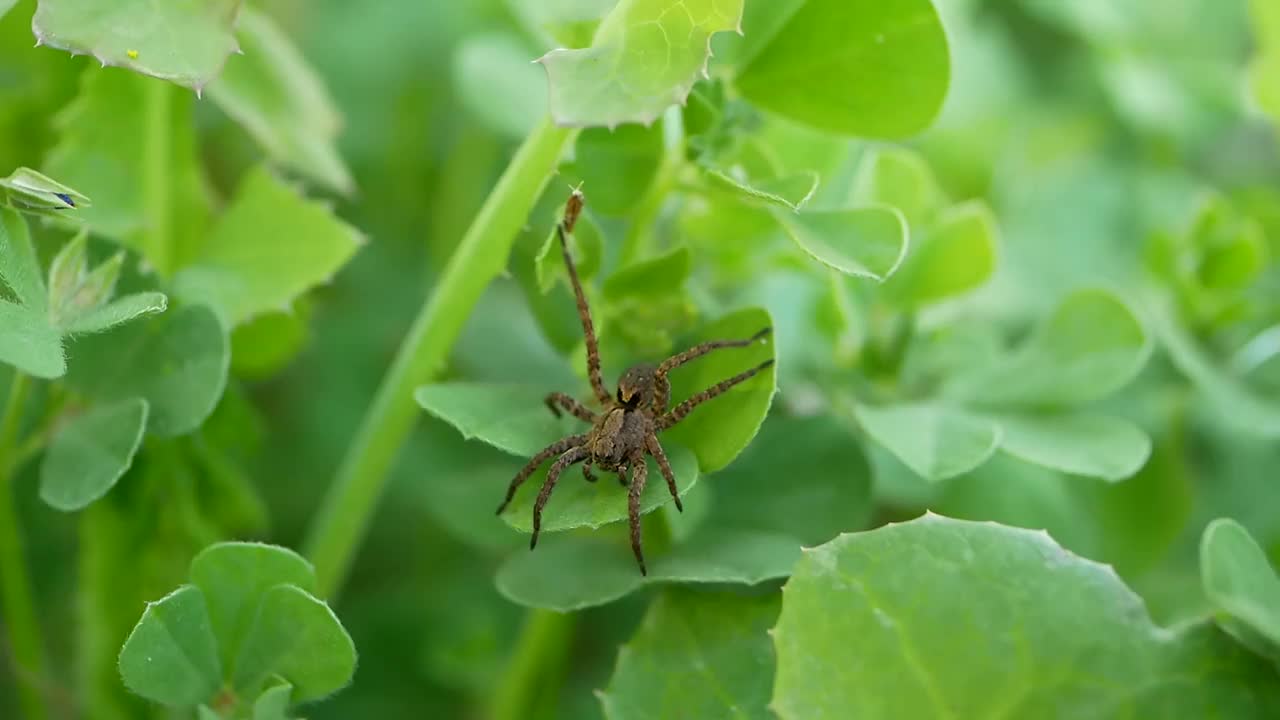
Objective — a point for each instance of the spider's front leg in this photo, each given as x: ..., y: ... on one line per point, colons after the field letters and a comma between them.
x: 574, y: 455
x: 662, y: 386
x: 558, y: 401
x: 554, y: 448
x: 639, y: 473
x: 679, y: 412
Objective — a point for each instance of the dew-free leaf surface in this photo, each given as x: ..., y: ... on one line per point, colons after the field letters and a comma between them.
x: 868, y: 242
x: 171, y: 657
x: 90, y: 453
x: 1242, y: 586
x: 936, y: 441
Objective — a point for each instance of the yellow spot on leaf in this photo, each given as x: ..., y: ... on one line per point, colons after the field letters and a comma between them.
x: 133, y: 54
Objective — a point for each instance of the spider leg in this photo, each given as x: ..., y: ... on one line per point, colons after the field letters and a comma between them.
x: 558, y: 401
x: 572, y: 456
x: 586, y: 472
x: 662, y: 387
x: 584, y: 313
x: 554, y: 448
x: 622, y: 476
x: 639, y: 473
x: 655, y: 449
x: 679, y: 412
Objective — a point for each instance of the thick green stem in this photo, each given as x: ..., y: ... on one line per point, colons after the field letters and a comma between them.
x: 540, y: 651
x: 15, y: 584
x: 480, y: 257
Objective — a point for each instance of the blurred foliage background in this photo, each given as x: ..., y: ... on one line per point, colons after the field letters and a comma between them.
x: 1095, y: 131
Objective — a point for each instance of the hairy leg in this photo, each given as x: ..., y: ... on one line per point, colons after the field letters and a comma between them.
x: 586, y: 472
x: 572, y: 456
x: 584, y: 313
x: 553, y: 449
x: 558, y: 401
x: 655, y: 449
x: 679, y: 412
x: 639, y: 473
x: 662, y: 386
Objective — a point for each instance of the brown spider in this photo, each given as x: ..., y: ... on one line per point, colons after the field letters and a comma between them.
x: 627, y: 429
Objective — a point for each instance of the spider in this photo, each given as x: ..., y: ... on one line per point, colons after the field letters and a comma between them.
x: 627, y: 428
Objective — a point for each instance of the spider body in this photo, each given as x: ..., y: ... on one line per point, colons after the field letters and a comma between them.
x: 626, y: 430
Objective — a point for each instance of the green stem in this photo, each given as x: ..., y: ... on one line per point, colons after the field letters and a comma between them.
x: 480, y: 257
x: 15, y: 584
x: 541, y: 649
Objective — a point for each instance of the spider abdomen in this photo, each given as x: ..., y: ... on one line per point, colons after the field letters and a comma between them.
x: 618, y: 436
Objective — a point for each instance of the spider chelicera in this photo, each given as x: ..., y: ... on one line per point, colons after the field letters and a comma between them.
x: 627, y: 428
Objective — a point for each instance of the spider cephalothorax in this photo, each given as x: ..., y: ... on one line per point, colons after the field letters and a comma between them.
x: 626, y: 429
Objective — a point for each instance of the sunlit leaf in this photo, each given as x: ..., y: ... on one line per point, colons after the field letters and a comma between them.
x: 858, y: 67
x: 702, y: 655
x: 854, y: 638
x: 297, y: 637
x: 89, y: 454
x: 1242, y: 586
x: 955, y: 255
x: 935, y: 441
x: 653, y: 277
x: 1094, y: 445
x: 868, y: 242
x: 185, y: 41
x: 273, y: 703
x: 791, y: 191
x: 644, y: 58
x: 512, y: 418
x: 900, y: 178
x: 171, y: 656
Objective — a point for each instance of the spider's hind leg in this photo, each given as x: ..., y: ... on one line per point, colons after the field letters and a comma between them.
x: 553, y: 449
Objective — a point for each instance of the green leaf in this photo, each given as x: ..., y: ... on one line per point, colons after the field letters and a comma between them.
x: 618, y: 166
x: 578, y: 503
x: 790, y: 191
x: 297, y: 637
x: 900, y: 178
x: 586, y: 245
x: 571, y: 572
x: 867, y: 242
x: 859, y: 67
x: 129, y: 142
x: 276, y: 96
x: 827, y: 489
x: 947, y: 618
x: 644, y: 58
x: 497, y: 84
x: 185, y: 41
x: 1084, y: 444
x: 657, y: 276
x: 234, y: 576
x: 171, y: 656
x: 27, y: 190
x: 19, y: 268
x: 29, y: 343
x: 273, y: 703
x: 721, y: 428
x: 90, y: 453
x: 1089, y: 347
x: 697, y: 655
x: 1242, y: 586
x: 266, y: 344
x: 936, y: 441
x: 117, y: 312
x: 177, y: 362
x: 5, y: 6
x: 956, y: 255
x: 270, y: 246
x: 512, y: 418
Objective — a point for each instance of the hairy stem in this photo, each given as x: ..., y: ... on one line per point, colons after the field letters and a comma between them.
x: 539, y: 653
x: 481, y: 256
x: 15, y: 584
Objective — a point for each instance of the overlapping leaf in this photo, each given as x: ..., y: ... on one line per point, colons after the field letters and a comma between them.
x: 1242, y: 586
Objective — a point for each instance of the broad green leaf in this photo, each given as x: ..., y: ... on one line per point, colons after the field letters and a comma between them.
x: 585, y: 243
x: 234, y: 576
x: 512, y: 418
x: 1242, y: 586
x: 496, y: 83
x: 171, y: 656
x: 266, y: 344
x: 900, y: 178
x: 273, y: 703
x: 1089, y: 347
x: 276, y: 96
x: 90, y: 453
x: 790, y: 191
x: 868, y: 242
x: 618, y: 166
x: 270, y: 246
x: 19, y: 268
x: 698, y: 655
x: 855, y: 67
x: 177, y: 362
x: 653, y: 277
x: 947, y: 618
x: 117, y: 312
x: 129, y: 143
x: 936, y: 441
x: 1094, y: 445
x: 815, y: 477
x: 297, y: 637
x: 29, y: 191
x: 645, y: 57
x: 957, y: 254
x: 577, y: 503
x: 721, y: 428
x: 572, y: 572
x: 29, y: 343
x: 185, y: 41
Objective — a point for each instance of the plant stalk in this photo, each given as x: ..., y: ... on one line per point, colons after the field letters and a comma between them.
x: 481, y: 256
x: 539, y: 652
x: 16, y: 604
